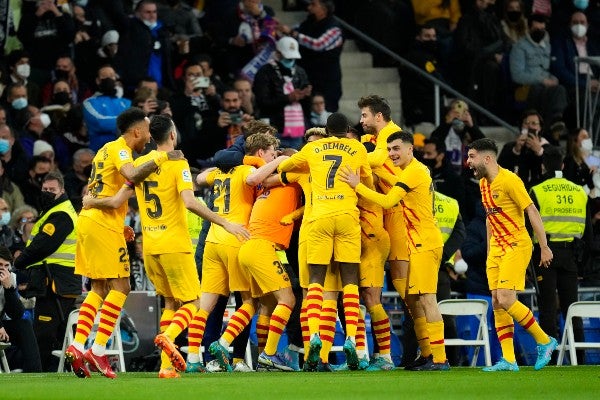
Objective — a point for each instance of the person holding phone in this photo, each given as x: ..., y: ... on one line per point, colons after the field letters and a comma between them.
x: 231, y: 116
x: 523, y: 156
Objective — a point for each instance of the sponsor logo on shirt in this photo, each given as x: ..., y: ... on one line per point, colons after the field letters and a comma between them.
x: 186, y: 175
x: 124, y: 155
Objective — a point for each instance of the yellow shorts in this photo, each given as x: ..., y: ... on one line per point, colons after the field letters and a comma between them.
x: 173, y: 275
x: 267, y: 273
x: 375, y: 250
x: 100, y: 253
x: 221, y: 271
x: 338, y: 235
x: 423, y: 271
x: 507, y: 271
x: 333, y: 282
x: 396, y: 227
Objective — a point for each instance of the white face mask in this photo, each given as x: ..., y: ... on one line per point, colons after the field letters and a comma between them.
x: 45, y: 119
x: 587, y: 145
x: 150, y: 24
x: 579, y: 30
x: 119, y: 91
x: 23, y: 70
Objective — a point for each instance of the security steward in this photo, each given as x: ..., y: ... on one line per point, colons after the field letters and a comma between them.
x: 562, y: 206
x: 49, y: 258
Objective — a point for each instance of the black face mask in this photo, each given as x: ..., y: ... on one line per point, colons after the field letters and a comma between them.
x: 513, y: 16
x: 61, y: 98
x: 47, y: 200
x: 430, y: 163
x: 61, y: 75
x: 430, y: 46
x: 418, y: 154
x: 537, y: 35
x: 39, y: 178
x: 108, y: 87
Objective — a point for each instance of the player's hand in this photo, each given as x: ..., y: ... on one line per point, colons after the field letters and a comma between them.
x: 175, y: 155
x: 546, y: 257
x: 287, y: 220
x: 128, y: 233
x: 238, y: 230
x: 350, y: 177
x: 87, y: 201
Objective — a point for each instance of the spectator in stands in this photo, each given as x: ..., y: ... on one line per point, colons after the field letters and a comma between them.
x: 20, y: 70
x: 480, y: 45
x: 2, y: 116
x: 244, y: 88
x: 7, y: 236
x: 280, y: 86
x: 195, y: 114
x: 21, y: 220
x: 530, y: 68
x: 241, y: 33
x: 15, y: 329
x: 206, y: 62
x: 38, y: 168
x: 89, y: 62
x: 456, y: 132
x: 13, y: 158
x: 514, y: 23
x: 8, y: 190
x: 16, y: 103
x: 145, y: 48
x: 320, y: 38
x: 231, y: 117
x: 424, y: 54
x: 77, y: 176
x: 66, y: 117
x: 445, y: 178
x: 101, y: 110
x: 179, y: 19
x: 523, y: 156
x: 46, y: 32
x: 318, y: 111
x: 65, y: 70
x: 109, y: 14
x: 575, y: 169
x: 577, y: 43
x: 87, y: 34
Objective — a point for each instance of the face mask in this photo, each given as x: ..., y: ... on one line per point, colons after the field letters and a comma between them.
x: 45, y: 119
x: 430, y: 46
x: 4, y: 146
x: 20, y: 103
x: 537, y: 35
x: 119, y: 91
x: 61, y: 98
x: 458, y: 125
x: 39, y: 178
x: 287, y: 62
x: 579, y: 30
x: 47, y: 199
x: 23, y: 70
x: 429, y: 162
x: 587, y: 145
x: 107, y: 87
x: 150, y: 24
x: 513, y: 16
x: 581, y: 4
x: 61, y: 75
x: 5, y: 218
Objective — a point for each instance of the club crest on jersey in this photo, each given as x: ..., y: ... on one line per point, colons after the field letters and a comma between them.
x: 186, y: 175
x: 124, y: 155
x: 495, y: 195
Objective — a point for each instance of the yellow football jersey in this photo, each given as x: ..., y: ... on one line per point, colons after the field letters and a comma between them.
x: 162, y: 211
x: 504, y: 201
x: 414, y: 190
x: 329, y: 195
x: 233, y: 201
x: 106, y: 180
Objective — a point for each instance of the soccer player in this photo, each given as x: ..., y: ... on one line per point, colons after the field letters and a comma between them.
x: 334, y: 228
x: 101, y: 252
x: 164, y: 196
x: 414, y: 188
x: 234, y: 191
x: 505, y: 201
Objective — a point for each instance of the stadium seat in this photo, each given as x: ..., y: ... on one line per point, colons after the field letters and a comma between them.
x: 3, y: 361
x: 581, y: 309
x: 470, y: 307
x: 114, y: 348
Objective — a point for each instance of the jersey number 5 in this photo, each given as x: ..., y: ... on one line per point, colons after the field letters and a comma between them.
x: 148, y: 197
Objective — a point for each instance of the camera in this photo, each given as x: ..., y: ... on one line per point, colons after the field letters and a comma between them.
x: 201, y: 82
x: 236, y: 118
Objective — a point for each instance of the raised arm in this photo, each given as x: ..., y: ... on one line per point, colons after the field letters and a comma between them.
x: 141, y: 172
x: 263, y: 172
x: 386, y: 201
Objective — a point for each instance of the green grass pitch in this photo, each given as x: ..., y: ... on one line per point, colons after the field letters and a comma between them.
x: 459, y: 383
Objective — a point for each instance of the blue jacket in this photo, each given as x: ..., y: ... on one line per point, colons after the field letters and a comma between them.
x: 530, y: 61
x: 100, y: 116
x: 564, y: 52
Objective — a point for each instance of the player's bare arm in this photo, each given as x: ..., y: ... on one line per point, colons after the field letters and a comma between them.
x: 263, y: 172
x: 293, y: 216
x: 110, y: 202
x: 538, y: 227
x: 141, y: 172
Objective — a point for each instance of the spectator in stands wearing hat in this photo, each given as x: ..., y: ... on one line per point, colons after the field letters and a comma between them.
x: 283, y: 93
x: 88, y: 62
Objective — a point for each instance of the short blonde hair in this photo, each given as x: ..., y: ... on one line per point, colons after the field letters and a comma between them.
x: 315, y: 131
x: 260, y: 141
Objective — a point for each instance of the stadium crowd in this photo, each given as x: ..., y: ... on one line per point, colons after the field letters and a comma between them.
x: 229, y: 86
